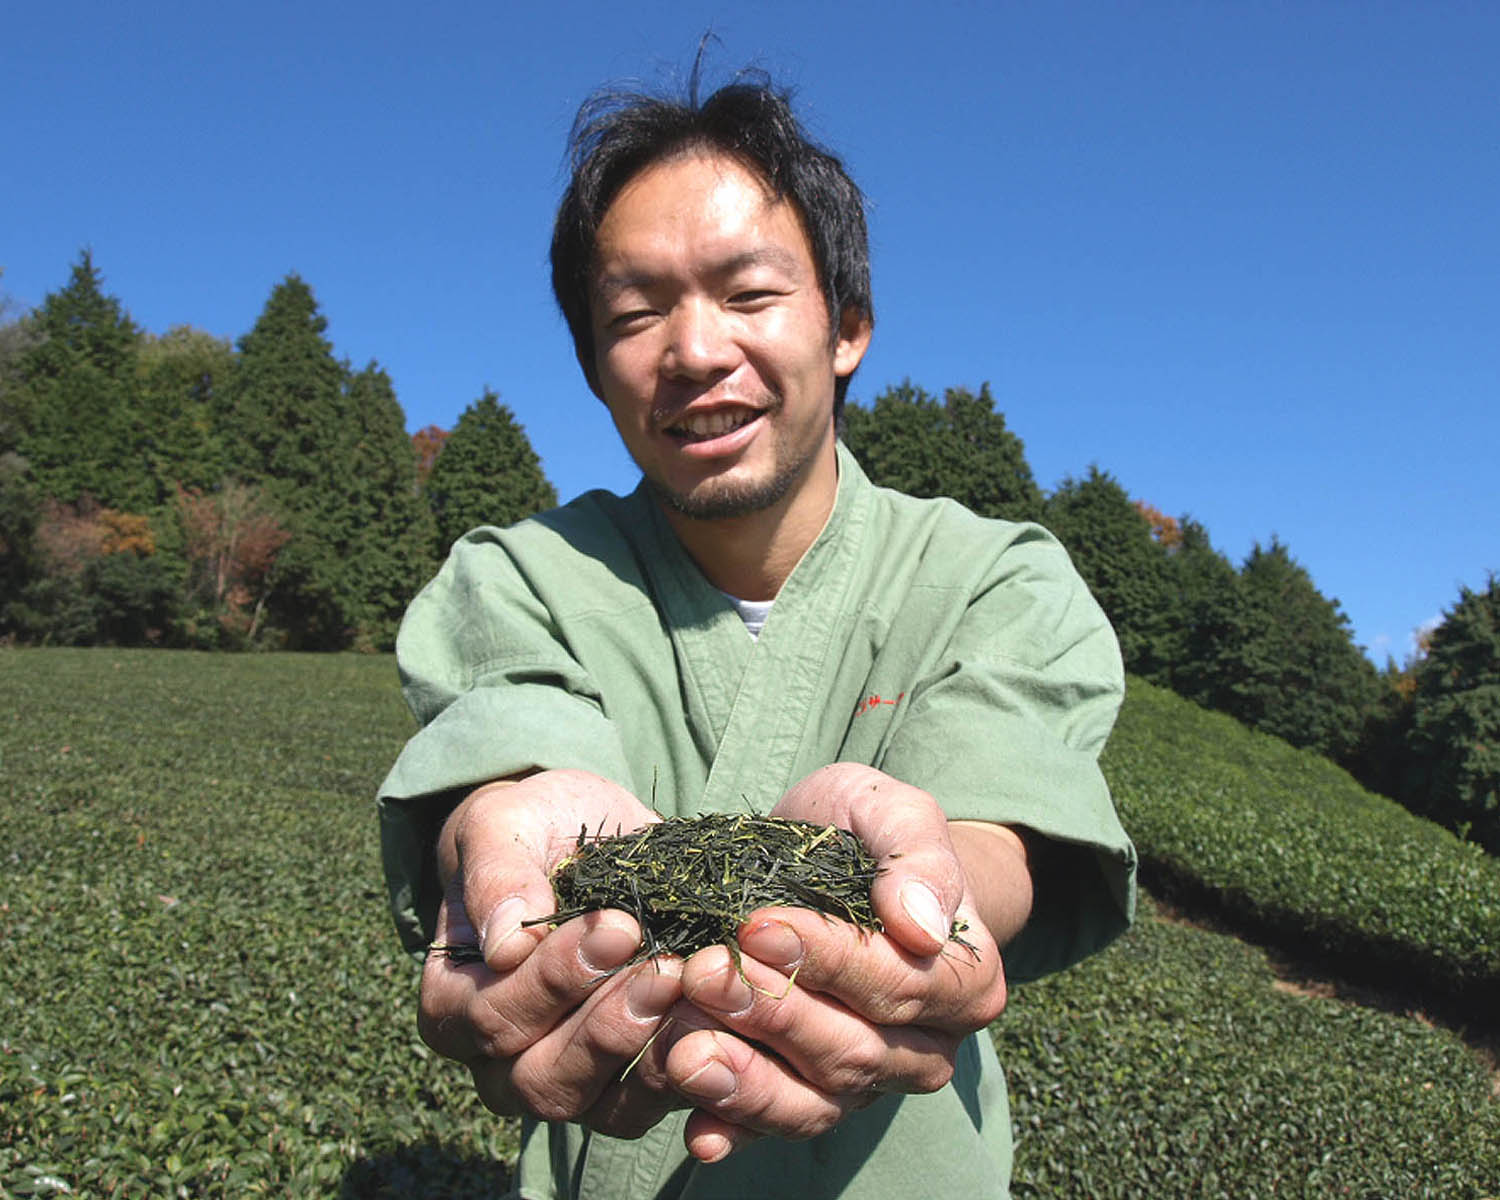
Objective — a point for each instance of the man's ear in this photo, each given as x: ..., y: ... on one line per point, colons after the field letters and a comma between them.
x: 855, y: 329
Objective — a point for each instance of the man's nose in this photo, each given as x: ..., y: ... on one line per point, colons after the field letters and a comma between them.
x: 699, y: 341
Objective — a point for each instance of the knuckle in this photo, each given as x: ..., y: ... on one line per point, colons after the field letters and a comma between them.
x: 559, y: 983
x: 541, y: 1095
x: 611, y: 1037
x: 774, y: 1017
x: 625, y: 1113
x: 988, y: 1003
x: 901, y: 999
x: 900, y: 1010
x: 815, y: 1123
x: 827, y: 958
x: 492, y: 1085
x: 857, y: 1069
x: 496, y: 1034
x: 932, y: 1075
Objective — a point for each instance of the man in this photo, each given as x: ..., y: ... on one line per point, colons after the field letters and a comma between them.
x: 938, y: 684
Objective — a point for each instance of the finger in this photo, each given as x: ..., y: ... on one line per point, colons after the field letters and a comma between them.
x: 468, y: 1011
x: 644, y: 1094
x: 741, y: 1086
x: 956, y: 992
x: 712, y: 1139
x: 920, y: 884
x: 448, y: 986
x: 507, y: 839
x: 504, y: 854
x: 603, y: 1047
x: 836, y: 1050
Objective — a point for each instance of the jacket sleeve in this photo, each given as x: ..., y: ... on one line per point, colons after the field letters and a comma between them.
x: 1008, y: 726
x: 496, y: 693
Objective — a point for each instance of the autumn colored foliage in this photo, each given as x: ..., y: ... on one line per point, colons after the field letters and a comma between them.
x: 186, y: 489
x: 230, y: 539
x: 1165, y: 530
x: 427, y: 443
x: 71, y: 536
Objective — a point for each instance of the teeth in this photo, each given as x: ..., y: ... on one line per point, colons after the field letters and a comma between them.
x: 704, y: 425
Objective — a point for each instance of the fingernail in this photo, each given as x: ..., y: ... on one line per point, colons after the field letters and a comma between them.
x: 713, y: 1081
x: 652, y: 992
x: 723, y: 991
x: 605, y: 947
x: 921, y: 905
x: 774, y: 943
x: 504, y: 919
x: 712, y: 1148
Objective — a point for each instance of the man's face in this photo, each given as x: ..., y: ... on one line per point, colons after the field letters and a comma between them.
x: 712, y: 347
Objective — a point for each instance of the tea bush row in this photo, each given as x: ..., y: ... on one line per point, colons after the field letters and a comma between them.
x: 201, y: 993
x: 1289, y: 845
x: 1172, y: 1065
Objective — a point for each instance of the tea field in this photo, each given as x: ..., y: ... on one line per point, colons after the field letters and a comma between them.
x: 201, y: 995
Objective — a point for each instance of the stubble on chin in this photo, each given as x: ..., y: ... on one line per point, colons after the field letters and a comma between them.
x: 721, y: 501
x: 725, y: 499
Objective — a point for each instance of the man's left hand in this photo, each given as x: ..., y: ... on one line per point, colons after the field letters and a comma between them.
x: 846, y: 1015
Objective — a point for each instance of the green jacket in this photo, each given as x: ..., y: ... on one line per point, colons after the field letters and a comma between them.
x: 959, y: 654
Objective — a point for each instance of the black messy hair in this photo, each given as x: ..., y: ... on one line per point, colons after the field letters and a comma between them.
x: 619, y: 134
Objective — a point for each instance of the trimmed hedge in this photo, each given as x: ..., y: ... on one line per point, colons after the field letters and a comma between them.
x: 1287, y: 845
x: 1171, y: 1065
x: 201, y: 993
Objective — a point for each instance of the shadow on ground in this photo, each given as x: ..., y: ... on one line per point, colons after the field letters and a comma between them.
x: 427, y: 1169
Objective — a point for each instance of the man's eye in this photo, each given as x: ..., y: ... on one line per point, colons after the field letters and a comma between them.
x: 751, y: 297
x: 628, y: 320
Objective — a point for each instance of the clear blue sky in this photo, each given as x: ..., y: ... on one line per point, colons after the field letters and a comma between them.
x: 1244, y: 256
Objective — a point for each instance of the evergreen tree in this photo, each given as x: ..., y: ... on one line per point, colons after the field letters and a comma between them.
x: 280, y: 413
x: 1213, y: 619
x: 958, y: 447
x: 486, y: 474
x: 1383, y: 762
x: 1299, y: 674
x: 17, y: 335
x: 18, y: 499
x: 180, y: 375
x: 84, y: 431
x: 1454, y: 741
x: 20, y: 558
x: 1125, y: 567
x: 394, y: 557
x: 285, y: 425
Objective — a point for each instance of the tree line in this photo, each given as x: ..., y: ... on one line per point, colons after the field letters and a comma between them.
x: 1257, y: 640
x: 180, y: 490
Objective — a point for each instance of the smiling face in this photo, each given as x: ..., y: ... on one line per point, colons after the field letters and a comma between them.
x: 712, y: 346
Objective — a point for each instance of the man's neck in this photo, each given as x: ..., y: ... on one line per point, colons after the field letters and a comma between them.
x: 752, y: 556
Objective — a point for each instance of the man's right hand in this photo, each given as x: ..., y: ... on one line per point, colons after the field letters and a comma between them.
x: 540, y: 1023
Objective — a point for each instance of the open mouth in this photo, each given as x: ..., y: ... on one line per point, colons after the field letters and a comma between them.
x: 703, y: 427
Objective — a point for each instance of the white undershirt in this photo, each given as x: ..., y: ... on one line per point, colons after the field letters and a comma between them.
x: 752, y: 612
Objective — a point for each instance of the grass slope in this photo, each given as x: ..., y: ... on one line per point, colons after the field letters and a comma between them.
x: 201, y: 995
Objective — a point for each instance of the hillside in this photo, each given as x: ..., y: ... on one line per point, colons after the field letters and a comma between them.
x: 201, y: 991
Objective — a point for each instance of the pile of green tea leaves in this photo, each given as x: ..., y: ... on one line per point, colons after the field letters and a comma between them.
x: 691, y: 881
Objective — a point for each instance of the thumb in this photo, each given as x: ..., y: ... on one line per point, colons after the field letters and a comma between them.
x: 501, y: 882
